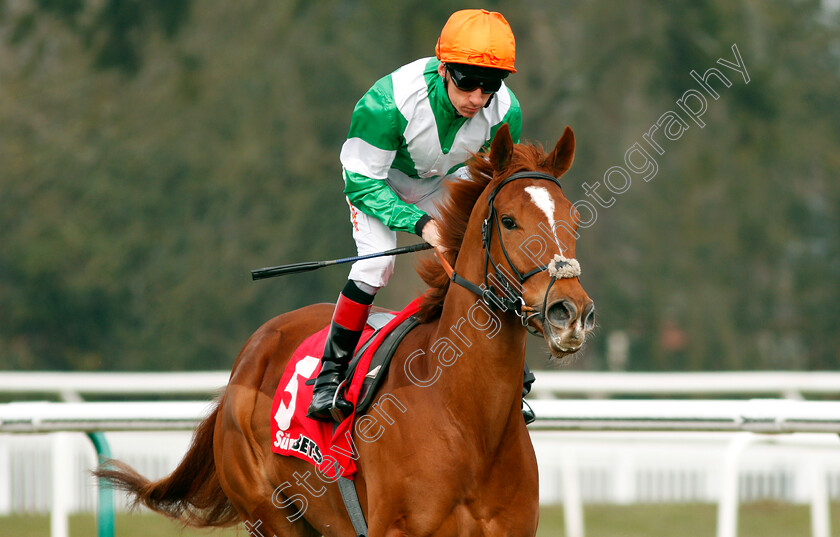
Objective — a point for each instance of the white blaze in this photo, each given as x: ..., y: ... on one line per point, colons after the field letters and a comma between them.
x: 542, y: 199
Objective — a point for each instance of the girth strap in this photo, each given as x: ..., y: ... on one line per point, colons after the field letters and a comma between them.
x: 354, y: 508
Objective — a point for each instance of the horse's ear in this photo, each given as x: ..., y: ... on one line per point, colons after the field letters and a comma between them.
x: 501, y: 149
x: 560, y: 160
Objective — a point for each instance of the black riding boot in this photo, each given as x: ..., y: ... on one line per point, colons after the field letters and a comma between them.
x: 337, y: 354
x: 348, y: 321
x: 528, y: 379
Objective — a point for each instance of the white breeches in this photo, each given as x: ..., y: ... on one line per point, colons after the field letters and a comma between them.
x: 371, y: 236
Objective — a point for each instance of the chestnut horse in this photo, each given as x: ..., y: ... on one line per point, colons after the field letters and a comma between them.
x: 448, y: 452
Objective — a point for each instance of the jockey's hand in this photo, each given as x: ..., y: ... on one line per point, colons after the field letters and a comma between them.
x: 431, y: 234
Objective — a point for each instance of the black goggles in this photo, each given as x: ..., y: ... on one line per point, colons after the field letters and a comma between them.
x: 466, y: 82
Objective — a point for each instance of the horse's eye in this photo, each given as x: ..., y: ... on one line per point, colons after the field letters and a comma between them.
x: 508, y: 222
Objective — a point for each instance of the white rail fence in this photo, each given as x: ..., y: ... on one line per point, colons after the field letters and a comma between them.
x: 549, y: 385
x: 589, y: 450
x: 786, y: 384
x: 572, y: 470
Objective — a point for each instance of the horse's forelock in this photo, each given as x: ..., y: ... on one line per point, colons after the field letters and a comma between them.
x: 455, y: 214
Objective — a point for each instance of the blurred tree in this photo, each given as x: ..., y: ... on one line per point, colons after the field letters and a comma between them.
x: 115, y: 31
x: 717, y: 245
x: 132, y: 208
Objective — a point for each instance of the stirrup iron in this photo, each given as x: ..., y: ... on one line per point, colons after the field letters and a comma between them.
x: 337, y: 414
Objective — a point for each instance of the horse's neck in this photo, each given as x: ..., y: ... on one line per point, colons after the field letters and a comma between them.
x: 487, y: 347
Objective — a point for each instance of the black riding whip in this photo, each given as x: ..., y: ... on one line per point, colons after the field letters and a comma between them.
x: 270, y: 272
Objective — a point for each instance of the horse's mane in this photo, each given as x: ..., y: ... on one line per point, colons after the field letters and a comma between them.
x: 455, y: 214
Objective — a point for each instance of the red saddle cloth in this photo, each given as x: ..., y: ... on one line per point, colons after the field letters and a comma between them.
x: 332, y: 452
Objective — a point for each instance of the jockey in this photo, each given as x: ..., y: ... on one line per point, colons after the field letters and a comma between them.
x: 412, y: 129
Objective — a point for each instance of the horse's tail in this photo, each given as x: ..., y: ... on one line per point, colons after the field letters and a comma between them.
x: 191, y: 494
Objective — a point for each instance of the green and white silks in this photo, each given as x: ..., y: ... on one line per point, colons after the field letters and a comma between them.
x: 405, y: 137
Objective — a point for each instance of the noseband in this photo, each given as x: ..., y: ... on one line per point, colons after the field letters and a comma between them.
x: 499, y: 292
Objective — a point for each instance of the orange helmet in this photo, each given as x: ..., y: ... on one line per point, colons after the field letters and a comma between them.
x: 477, y: 37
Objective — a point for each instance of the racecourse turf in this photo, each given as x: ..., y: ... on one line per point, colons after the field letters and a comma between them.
x: 764, y: 519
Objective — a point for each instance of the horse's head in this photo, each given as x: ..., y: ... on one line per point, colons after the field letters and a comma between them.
x: 529, y: 233
x: 511, y: 225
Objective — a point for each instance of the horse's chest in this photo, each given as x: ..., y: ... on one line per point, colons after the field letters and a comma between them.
x: 491, y: 519
x: 466, y: 500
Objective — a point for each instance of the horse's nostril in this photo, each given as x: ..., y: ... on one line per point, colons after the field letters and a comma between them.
x: 560, y: 313
x: 589, y: 317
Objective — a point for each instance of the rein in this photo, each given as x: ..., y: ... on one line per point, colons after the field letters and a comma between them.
x: 510, y: 298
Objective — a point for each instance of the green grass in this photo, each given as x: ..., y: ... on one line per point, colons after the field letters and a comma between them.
x: 766, y: 519
x: 133, y: 525
x: 661, y: 520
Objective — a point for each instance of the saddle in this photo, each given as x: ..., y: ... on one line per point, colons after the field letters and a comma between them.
x: 296, y: 435
x: 381, y: 359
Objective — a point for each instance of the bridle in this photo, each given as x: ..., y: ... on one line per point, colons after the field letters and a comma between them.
x: 499, y: 292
